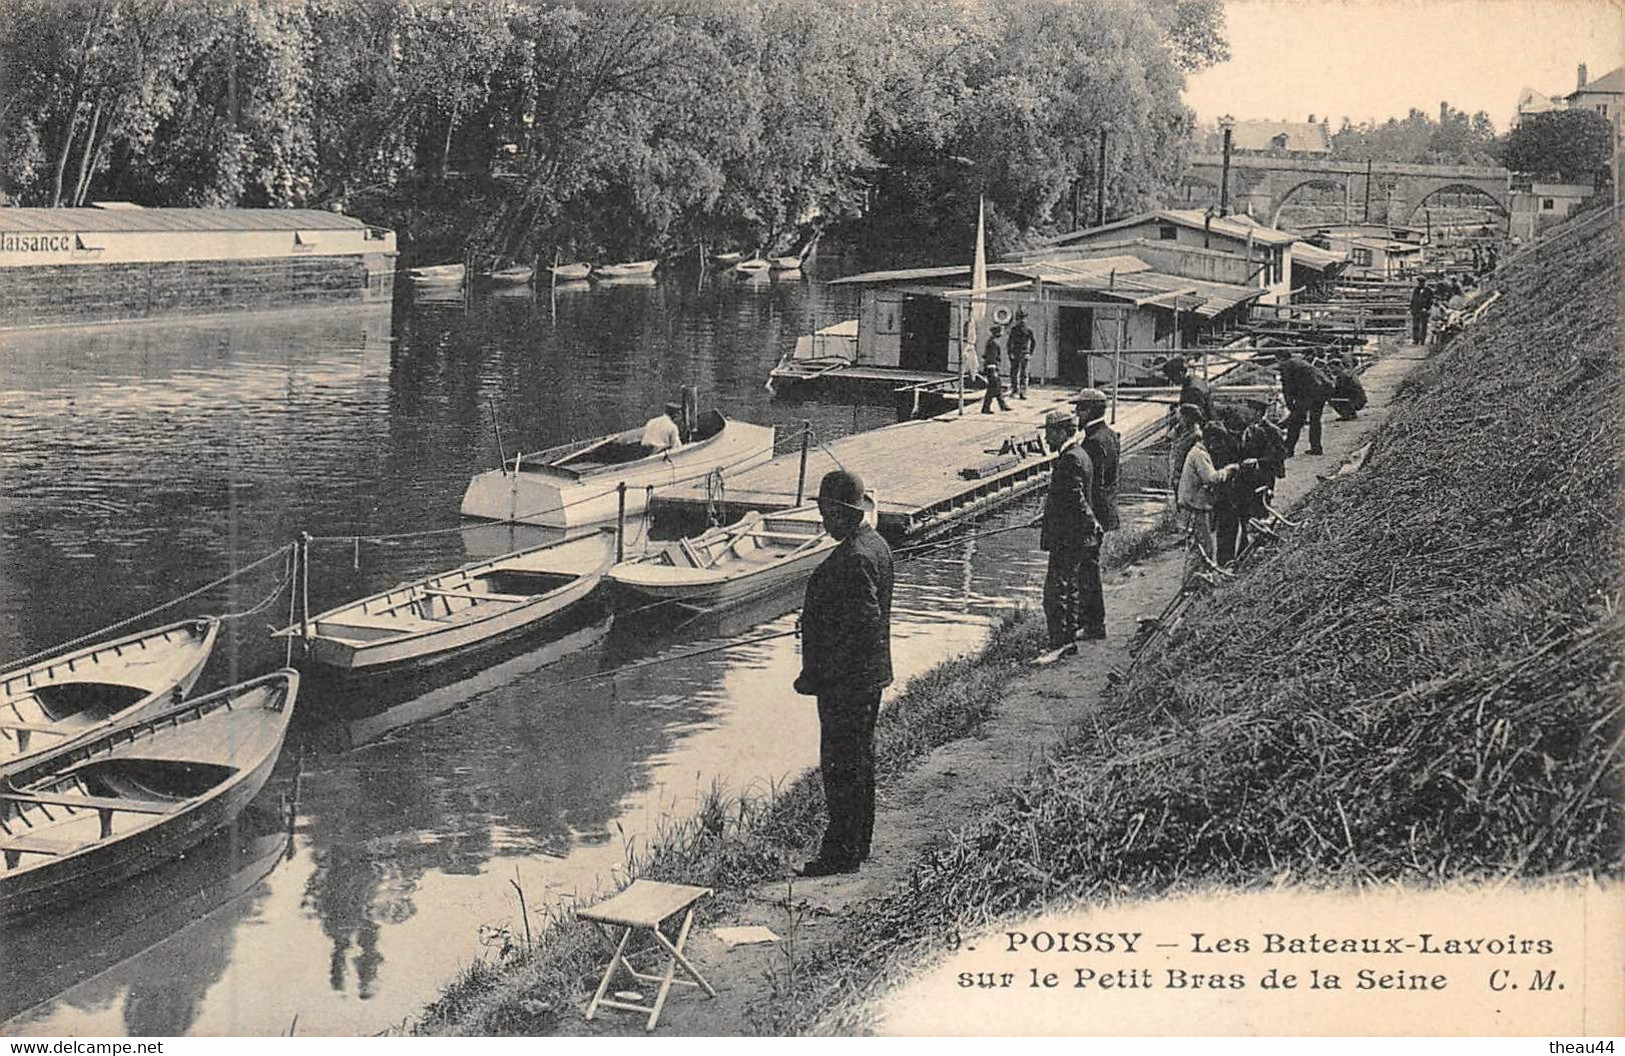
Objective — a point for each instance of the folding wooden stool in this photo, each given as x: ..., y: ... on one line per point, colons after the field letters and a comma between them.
x: 643, y: 906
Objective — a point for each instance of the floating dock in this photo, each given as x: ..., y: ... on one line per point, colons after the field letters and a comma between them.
x: 925, y: 474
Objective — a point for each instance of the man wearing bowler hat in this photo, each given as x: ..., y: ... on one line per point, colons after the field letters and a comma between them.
x: 1071, y: 529
x: 845, y: 663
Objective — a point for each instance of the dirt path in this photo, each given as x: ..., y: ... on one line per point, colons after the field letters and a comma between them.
x: 955, y: 780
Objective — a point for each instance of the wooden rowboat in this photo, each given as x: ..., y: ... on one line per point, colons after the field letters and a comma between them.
x: 576, y: 484
x: 785, y: 263
x: 515, y: 275
x: 753, y: 264
x: 446, y: 615
x: 437, y: 274
x: 94, y: 813
x: 69, y: 698
x: 571, y: 272
x: 623, y: 271
x: 756, y: 555
x: 731, y: 257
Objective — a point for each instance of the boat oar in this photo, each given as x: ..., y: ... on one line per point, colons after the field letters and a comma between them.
x: 502, y: 454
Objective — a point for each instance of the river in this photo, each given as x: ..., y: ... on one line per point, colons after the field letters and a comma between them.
x: 140, y: 462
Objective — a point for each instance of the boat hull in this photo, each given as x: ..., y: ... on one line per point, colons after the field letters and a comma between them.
x: 567, y: 500
x: 571, y: 272
x: 422, y: 643
x: 625, y: 271
x: 159, y: 666
x: 107, y: 861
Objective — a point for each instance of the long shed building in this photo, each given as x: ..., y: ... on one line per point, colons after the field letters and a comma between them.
x: 70, y: 266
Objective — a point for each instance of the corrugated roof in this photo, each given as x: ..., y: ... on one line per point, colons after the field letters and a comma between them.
x: 89, y: 220
x: 1268, y: 135
x: 905, y: 275
x: 1191, y: 218
x: 1206, y: 299
x: 1312, y: 256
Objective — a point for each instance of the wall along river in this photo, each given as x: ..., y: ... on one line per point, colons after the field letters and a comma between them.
x: 139, y: 462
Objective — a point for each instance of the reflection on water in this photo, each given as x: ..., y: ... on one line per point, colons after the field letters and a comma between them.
x: 137, y: 463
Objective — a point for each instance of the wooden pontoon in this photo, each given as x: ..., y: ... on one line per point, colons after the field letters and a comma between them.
x: 92, y: 814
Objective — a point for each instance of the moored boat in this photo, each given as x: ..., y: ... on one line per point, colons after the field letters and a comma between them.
x: 437, y: 274
x: 753, y: 264
x: 94, y: 813
x: 624, y: 271
x: 73, y: 696
x: 515, y: 275
x: 753, y: 556
x: 733, y: 256
x: 451, y: 613
x: 576, y: 484
x: 571, y: 272
x: 785, y: 263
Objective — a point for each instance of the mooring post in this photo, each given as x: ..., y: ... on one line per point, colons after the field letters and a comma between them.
x: 304, y: 593
x: 806, y: 444
x: 620, y: 523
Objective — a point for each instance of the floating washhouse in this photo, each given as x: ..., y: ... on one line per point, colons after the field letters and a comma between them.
x: 106, y: 264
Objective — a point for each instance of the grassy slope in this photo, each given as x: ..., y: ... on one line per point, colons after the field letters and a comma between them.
x: 1423, y: 684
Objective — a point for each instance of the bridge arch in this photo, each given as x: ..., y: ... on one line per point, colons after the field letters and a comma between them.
x: 1323, y: 182
x: 1444, y: 187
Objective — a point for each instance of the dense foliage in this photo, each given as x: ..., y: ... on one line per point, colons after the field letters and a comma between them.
x: 590, y: 125
x: 1456, y: 138
x: 1572, y: 145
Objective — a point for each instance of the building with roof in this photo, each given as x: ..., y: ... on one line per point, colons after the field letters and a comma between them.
x: 1093, y: 318
x: 1531, y: 102
x: 1262, y: 255
x: 67, y: 266
x: 1303, y: 138
x: 1605, y: 95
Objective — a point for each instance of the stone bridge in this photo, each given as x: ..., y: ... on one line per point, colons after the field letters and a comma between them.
x: 1261, y: 184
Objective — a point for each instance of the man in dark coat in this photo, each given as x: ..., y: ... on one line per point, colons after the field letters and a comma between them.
x: 1103, y: 446
x: 1192, y: 390
x: 845, y: 663
x: 1082, y: 487
x: 1421, y: 304
x: 1021, y: 351
x: 1305, y: 389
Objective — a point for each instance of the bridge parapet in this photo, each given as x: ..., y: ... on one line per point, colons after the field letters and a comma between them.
x: 1351, y: 168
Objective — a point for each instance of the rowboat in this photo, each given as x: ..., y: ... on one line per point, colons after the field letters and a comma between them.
x: 432, y: 620
x: 576, y: 484
x: 72, y: 697
x: 516, y: 275
x: 571, y: 272
x: 437, y: 274
x: 753, y: 264
x: 623, y: 271
x: 785, y: 263
x: 753, y: 556
x: 731, y: 257
x: 94, y: 813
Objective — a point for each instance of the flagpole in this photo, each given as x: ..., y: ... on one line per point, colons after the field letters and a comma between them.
x: 978, y: 296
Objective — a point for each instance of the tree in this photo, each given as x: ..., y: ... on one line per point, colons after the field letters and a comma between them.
x: 1572, y: 145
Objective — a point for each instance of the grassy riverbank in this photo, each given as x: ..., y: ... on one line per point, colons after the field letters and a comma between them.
x: 1421, y: 685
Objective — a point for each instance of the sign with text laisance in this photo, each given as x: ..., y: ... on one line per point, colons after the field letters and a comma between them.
x: 1545, y: 960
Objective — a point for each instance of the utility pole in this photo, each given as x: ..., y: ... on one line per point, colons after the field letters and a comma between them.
x: 1226, y: 125
x: 1100, y: 183
x: 1368, y: 190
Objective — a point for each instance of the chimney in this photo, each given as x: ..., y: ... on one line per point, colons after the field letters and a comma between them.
x: 1580, y: 76
x: 1311, y: 119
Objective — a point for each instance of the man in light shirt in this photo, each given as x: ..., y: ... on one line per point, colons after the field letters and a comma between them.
x: 661, y: 433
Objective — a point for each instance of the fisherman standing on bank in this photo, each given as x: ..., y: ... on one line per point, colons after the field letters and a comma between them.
x: 1021, y: 351
x: 1071, y: 530
x: 845, y: 663
x: 1421, y: 302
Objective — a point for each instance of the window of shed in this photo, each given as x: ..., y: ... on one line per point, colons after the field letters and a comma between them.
x: 1362, y: 257
x: 1167, y: 232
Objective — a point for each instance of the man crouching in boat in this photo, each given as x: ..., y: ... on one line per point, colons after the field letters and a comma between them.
x: 662, y: 433
x: 845, y: 663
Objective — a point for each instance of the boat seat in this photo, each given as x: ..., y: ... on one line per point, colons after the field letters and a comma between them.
x: 61, y: 799
x: 403, y: 624
x: 493, y: 596
x: 37, y: 727
x: 15, y: 845
x: 794, y: 536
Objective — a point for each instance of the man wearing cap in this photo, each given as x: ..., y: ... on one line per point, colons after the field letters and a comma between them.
x: 1192, y: 391
x: 1421, y: 304
x: 845, y: 663
x: 1070, y: 530
x: 1103, y: 446
x: 661, y: 433
x: 1021, y: 350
